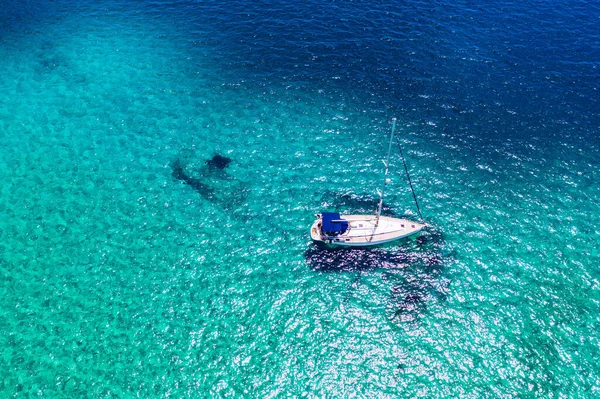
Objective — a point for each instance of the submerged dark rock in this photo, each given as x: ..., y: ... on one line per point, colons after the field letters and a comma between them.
x: 211, y: 181
x: 180, y: 174
x: 218, y: 162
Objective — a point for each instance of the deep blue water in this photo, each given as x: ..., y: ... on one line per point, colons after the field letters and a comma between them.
x: 131, y: 267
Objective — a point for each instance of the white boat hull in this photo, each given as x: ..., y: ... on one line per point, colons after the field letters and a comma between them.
x: 364, y: 230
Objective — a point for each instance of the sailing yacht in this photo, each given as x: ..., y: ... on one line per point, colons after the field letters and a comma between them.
x: 365, y: 230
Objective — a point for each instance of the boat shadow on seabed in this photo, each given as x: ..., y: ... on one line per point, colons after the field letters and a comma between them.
x: 415, y: 268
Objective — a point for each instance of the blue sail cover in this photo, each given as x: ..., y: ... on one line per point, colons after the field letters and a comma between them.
x: 333, y: 224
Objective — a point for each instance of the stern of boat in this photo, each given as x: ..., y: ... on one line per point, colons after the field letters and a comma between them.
x: 315, y: 230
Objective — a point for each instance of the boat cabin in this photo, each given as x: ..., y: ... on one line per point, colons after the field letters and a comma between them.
x: 333, y: 224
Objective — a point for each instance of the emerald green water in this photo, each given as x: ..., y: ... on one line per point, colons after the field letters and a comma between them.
x: 119, y: 280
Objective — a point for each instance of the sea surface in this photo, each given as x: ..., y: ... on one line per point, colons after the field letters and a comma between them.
x: 132, y: 264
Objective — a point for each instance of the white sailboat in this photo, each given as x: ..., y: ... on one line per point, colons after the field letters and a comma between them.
x: 364, y: 230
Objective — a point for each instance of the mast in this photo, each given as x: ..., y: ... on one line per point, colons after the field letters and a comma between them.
x: 385, y: 179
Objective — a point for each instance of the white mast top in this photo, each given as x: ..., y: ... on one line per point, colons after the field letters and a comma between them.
x: 387, y: 164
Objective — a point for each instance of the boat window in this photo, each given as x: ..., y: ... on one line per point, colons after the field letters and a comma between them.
x: 402, y: 225
x: 413, y: 226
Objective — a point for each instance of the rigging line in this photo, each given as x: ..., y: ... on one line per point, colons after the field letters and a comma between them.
x: 408, y: 177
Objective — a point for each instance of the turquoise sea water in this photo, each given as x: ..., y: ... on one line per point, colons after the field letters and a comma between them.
x: 118, y: 279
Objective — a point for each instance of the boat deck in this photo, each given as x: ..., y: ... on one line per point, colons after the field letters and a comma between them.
x: 363, y: 230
